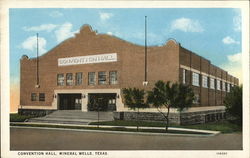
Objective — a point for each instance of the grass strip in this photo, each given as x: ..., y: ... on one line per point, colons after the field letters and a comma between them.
x: 222, y: 126
x: 20, y: 118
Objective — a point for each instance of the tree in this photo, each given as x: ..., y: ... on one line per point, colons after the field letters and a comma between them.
x: 233, y: 103
x: 169, y: 95
x: 134, y: 98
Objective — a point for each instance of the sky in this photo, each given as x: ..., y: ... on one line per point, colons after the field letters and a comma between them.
x: 214, y: 33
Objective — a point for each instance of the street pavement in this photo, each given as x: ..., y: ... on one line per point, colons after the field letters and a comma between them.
x: 54, y: 139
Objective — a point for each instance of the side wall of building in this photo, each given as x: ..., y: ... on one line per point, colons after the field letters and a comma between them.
x: 208, y: 93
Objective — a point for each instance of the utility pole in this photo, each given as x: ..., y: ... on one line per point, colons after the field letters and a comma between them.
x: 146, y: 54
x: 37, y: 62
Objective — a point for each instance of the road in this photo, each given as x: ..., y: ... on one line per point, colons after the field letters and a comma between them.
x: 54, y: 139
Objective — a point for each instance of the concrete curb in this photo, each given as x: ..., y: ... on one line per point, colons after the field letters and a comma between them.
x: 210, y: 133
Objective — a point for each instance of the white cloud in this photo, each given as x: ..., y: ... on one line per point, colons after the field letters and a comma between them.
x: 186, y: 25
x: 56, y: 14
x: 64, y: 32
x: 234, y: 65
x: 235, y: 58
x: 105, y: 16
x: 43, y: 27
x: 229, y: 40
x: 237, y: 20
x: 31, y: 44
x: 110, y: 33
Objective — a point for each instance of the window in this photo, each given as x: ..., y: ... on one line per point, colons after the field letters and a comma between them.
x: 228, y: 87
x: 60, y: 79
x: 196, y: 99
x: 196, y: 79
x: 102, y: 77
x: 113, y: 77
x: 204, y: 81
x: 91, y: 77
x: 69, y: 79
x: 79, y: 78
x: 184, y: 76
x: 223, y: 86
x: 218, y: 84
x: 212, y: 83
x: 41, y: 96
x: 33, y: 96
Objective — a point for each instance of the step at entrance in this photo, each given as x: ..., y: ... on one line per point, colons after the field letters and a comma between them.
x: 74, y: 117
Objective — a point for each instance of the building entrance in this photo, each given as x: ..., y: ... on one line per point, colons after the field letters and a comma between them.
x: 70, y: 102
x: 102, y: 102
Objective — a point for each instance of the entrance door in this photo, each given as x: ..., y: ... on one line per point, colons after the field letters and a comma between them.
x: 70, y: 101
x: 102, y: 102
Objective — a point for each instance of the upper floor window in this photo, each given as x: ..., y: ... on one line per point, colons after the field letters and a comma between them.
x: 212, y: 83
x: 33, y: 96
x: 204, y: 81
x: 113, y: 77
x: 91, y: 78
x: 60, y: 79
x: 102, y: 77
x: 184, y: 76
x: 196, y: 81
x: 223, y: 86
x: 79, y: 78
x: 228, y: 87
x: 218, y: 84
x: 41, y: 96
x: 69, y: 79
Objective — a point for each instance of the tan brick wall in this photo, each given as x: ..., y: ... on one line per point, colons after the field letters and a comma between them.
x: 163, y: 64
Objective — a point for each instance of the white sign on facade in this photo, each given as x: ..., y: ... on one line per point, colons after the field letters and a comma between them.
x: 90, y: 59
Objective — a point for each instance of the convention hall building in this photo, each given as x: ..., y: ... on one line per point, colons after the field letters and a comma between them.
x: 90, y: 67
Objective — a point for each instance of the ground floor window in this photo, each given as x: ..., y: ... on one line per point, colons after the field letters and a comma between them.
x: 102, y: 77
x: 113, y: 77
x: 41, y: 96
x: 196, y: 99
x: 33, y: 96
x: 184, y: 76
x: 91, y: 78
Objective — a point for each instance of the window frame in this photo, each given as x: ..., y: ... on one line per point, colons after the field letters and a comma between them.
x: 67, y: 80
x: 77, y: 79
x: 33, y: 97
x: 110, y: 77
x: 41, y: 98
x: 228, y: 87
x: 218, y: 86
x: 195, y: 79
x: 58, y: 79
x: 223, y: 86
x: 212, y: 83
x: 94, y: 78
x: 203, y: 83
x: 184, y: 76
x: 100, y: 82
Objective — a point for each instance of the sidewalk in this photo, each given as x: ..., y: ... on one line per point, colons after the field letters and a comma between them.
x: 114, y: 129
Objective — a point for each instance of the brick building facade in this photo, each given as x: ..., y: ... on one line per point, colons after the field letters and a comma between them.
x: 90, y: 66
